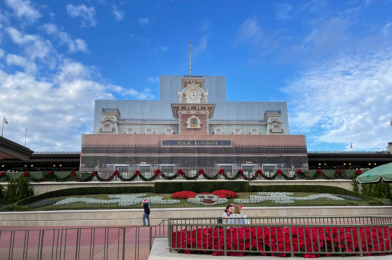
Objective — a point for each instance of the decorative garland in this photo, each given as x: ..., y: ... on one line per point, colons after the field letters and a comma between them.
x: 180, y: 172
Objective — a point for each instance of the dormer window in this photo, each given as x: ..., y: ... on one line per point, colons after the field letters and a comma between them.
x: 237, y: 131
x: 130, y: 131
x: 107, y: 128
x: 149, y: 131
x: 276, y: 129
x: 168, y: 131
x: 254, y: 132
x: 218, y: 131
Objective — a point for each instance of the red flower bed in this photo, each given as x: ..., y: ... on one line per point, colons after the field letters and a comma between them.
x: 270, y: 240
x: 184, y: 195
x: 225, y: 194
x: 190, y: 194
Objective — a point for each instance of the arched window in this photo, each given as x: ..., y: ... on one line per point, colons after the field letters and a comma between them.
x: 130, y: 131
x: 168, y: 131
x: 148, y: 131
x: 237, y: 131
x: 193, y: 122
x: 276, y: 128
x: 254, y: 131
x: 218, y: 131
x: 107, y: 127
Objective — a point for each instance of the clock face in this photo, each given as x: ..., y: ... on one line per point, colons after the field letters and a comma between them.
x: 193, y: 95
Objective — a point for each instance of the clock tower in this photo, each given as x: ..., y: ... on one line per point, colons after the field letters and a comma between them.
x: 192, y: 109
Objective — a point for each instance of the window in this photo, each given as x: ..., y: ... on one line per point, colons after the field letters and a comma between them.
x: 254, y: 131
x: 107, y: 127
x: 218, y: 131
x: 130, y: 131
x: 145, y: 170
x: 269, y: 170
x: 248, y: 170
x: 148, y: 131
x: 237, y: 131
x: 168, y: 131
x: 193, y: 122
x: 276, y: 129
x: 168, y: 170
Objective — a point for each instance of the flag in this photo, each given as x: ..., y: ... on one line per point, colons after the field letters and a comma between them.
x: 5, y: 121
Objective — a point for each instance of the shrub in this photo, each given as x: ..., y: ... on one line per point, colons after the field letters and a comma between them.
x: 11, y: 193
x: 200, y: 186
x: 380, y: 190
x: 8, y: 207
x: 42, y: 203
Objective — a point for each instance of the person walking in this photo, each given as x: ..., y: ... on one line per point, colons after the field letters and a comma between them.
x: 146, y: 214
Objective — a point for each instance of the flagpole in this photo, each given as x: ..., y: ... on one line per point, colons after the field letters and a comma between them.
x: 2, y: 129
x: 25, y: 136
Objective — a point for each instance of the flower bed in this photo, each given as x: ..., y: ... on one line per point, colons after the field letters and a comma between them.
x: 207, y: 200
x: 121, y: 200
x: 184, y: 195
x: 318, y: 241
x: 225, y: 194
x: 283, y: 198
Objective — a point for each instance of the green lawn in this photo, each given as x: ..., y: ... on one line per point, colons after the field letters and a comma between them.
x: 185, y: 204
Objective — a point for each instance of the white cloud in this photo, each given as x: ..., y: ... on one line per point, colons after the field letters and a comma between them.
x: 204, y: 26
x: 65, y: 38
x: 249, y: 32
x: 23, y: 9
x: 348, y: 99
x: 198, y: 49
x: 161, y: 49
x: 142, y: 21
x: 153, y: 79
x: 282, y: 11
x: 16, y: 60
x: 34, y: 45
x: 138, y: 39
x: 118, y: 14
x: 2, y: 52
x: 386, y: 29
x: 56, y: 111
x: 87, y: 14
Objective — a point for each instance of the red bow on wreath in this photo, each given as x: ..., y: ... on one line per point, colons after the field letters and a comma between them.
x: 137, y: 173
x: 50, y: 173
x: 279, y: 172
x: 259, y: 171
x: 221, y: 171
x: 116, y: 173
x: 73, y: 173
x: 156, y: 172
x: 95, y: 173
x: 359, y: 172
x: 179, y: 171
x: 241, y: 172
x: 26, y: 174
x: 299, y: 171
x: 339, y: 171
x: 319, y: 171
x: 2, y: 174
x: 201, y: 171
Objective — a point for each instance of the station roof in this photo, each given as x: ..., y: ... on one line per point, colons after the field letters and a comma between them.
x: 10, y: 150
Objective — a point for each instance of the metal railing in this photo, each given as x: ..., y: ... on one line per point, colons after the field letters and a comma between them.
x: 284, y: 236
x: 79, y: 243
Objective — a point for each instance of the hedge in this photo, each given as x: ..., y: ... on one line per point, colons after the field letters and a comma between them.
x: 22, y: 204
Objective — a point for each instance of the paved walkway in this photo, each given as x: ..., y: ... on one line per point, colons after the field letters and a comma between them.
x: 67, y: 236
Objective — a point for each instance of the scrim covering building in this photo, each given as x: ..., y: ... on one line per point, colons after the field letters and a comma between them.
x: 192, y: 126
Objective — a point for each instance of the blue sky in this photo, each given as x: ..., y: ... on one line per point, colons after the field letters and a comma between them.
x: 330, y: 60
